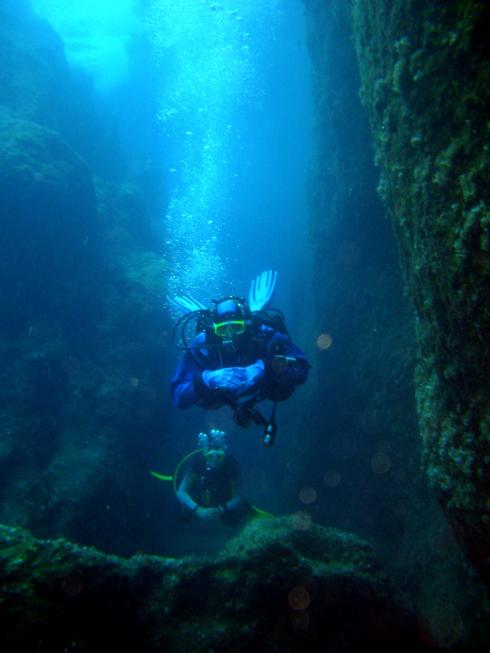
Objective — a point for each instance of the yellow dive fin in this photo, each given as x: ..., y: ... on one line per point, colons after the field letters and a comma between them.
x: 162, y: 477
x: 261, y: 514
x: 258, y: 513
x: 165, y: 477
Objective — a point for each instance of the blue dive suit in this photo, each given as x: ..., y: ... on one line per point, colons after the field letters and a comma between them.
x: 267, y: 362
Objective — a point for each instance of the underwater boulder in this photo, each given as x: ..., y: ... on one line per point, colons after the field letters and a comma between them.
x: 34, y: 75
x: 48, y: 223
x: 281, y: 585
x: 425, y: 70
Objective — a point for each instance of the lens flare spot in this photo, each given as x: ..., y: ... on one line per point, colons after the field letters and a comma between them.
x: 302, y: 521
x: 300, y: 619
x: 380, y: 463
x: 324, y: 341
x: 149, y: 394
x: 72, y: 585
x: 70, y: 364
x: 299, y: 598
x: 332, y: 478
x: 348, y: 253
x: 308, y: 494
x: 221, y: 421
x: 444, y: 625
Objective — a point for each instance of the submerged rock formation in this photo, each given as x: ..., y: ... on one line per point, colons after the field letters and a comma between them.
x: 425, y: 71
x: 49, y: 228
x: 365, y: 414
x: 281, y: 585
x: 363, y: 421
x: 81, y: 323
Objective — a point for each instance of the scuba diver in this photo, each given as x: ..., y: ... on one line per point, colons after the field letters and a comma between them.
x: 239, y: 355
x: 209, y: 489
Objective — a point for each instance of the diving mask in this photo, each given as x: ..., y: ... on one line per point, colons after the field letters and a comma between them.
x: 229, y: 328
x: 214, y: 457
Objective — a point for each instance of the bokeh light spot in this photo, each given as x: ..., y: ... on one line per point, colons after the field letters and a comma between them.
x: 332, y: 478
x: 299, y: 598
x: 380, y: 463
x: 302, y: 521
x: 221, y: 421
x: 257, y: 479
x: 72, y: 585
x: 307, y: 494
x: 348, y: 252
x: 70, y: 364
x: 324, y: 341
x: 443, y: 625
x: 300, y: 619
x: 149, y: 394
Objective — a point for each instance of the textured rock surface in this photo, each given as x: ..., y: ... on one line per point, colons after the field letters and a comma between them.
x: 425, y: 71
x: 82, y: 331
x: 282, y: 585
x: 49, y: 225
x: 363, y: 415
x: 35, y: 81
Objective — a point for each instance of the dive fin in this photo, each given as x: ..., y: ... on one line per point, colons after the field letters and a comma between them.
x: 162, y: 477
x: 186, y: 303
x: 261, y: 514
x: 262, y: 289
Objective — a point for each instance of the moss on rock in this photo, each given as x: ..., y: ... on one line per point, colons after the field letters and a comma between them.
x: 275, y: 587
x: 425, y: 71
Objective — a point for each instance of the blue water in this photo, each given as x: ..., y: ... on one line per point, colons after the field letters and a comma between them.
x: 152, y: 148
x: 211, y: 105
x: 232, y: 104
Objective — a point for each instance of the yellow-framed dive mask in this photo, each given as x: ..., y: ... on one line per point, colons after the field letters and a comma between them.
x: 229, y: 328
x: 215, y: 456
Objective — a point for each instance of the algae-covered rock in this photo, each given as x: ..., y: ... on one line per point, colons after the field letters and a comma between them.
x: 83, y: 337
x: 33, y: 71
x: 425, y: 70
x: 362, y: 424
x: 48, y: 225
x: 281, y: 585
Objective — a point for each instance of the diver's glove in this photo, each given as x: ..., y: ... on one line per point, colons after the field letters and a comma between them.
x: 289, y: 370
x: 208, y: 514
x: 255, y: 374
x: 230, y: 379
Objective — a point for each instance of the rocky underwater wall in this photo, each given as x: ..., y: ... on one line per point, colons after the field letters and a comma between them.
x: 368, y: 427
x: 82, y: 331
x: 425, y: 69
x: 363, y: 421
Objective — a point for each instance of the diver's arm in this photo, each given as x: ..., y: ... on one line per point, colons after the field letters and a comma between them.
x: 232, y: 504
x: 288, y: 365
x: 217, y: 387
x: 188, y: 387
x: 183, y: 391
x: 236, y: 499
x: 183, y: 494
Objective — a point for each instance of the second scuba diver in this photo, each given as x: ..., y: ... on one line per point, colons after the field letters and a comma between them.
x: 209, y: 489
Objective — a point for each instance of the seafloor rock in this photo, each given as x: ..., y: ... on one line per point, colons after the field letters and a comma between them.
x: 48, y: 225
x: 362, y: 413
x: 81, y: 344
x: 425, y: 69
x: 84, y: 341
x: 281, y: 585
x: 34, y: 75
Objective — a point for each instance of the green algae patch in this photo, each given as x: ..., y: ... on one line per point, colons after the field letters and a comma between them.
x: 425, y: 73
x: 250, y: 597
